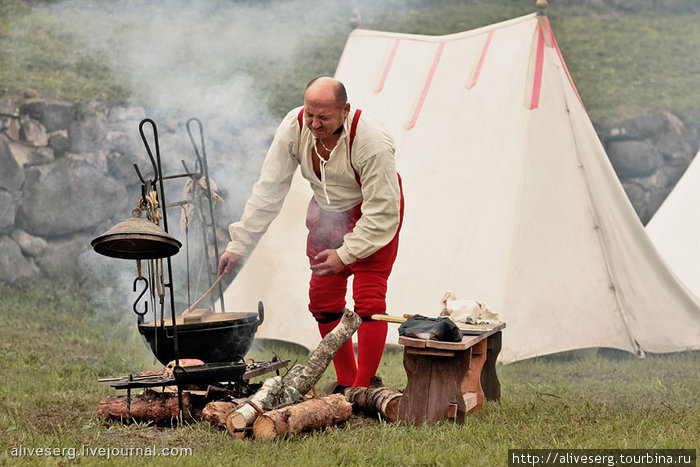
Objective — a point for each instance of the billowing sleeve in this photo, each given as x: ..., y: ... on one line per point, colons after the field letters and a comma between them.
x: 269, y: 191
x: 380, y: 206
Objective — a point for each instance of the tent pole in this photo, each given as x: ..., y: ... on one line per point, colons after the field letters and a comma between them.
x: 541, y: 5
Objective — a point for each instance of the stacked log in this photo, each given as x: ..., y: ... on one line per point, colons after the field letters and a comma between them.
x: 149, y: 406
x: 376, y: 400
x: 313, y: 414
x: 300, y: 379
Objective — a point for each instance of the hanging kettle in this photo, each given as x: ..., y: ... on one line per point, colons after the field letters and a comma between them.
x: 136, y: 238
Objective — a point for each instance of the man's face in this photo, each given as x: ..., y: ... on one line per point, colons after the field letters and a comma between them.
x: 322, y: 113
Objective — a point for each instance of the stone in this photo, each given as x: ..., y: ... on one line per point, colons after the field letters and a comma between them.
x: 11, y: 127
x: 638, y: 196
x: 54, y: 115
x: 634, y: 158
x: 29, y: 244
x: 13, y: 265
x: 9, y: 106
x: 58, y: 141
x: 88, y: 133
x: 21, y: 152
x: 11, y: 173
x: 42, y: 155
x: 656, y: 197
x: 635, y: 128
x: 60, y: 258
x: 121, y: 167
x: 8, y: 208
x: 68, y: 196
x: 33, y: 131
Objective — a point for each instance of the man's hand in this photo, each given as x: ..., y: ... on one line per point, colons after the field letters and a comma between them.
x: 228, y: 262
x: 330, y: 263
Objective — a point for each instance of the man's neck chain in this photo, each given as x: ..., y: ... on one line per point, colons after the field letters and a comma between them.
x: 324, y: 146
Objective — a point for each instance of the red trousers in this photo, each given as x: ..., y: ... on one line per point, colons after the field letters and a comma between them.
x: 327, y: 293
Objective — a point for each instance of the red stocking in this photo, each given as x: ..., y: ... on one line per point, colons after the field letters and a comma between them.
x: 344, y: 360
x: 371, y: 338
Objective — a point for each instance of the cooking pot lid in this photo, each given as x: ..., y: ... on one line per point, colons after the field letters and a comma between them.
x: 211, y: 320
x: 136, y: 238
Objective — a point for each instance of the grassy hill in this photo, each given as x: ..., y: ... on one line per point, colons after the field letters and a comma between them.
x: 626, y: 60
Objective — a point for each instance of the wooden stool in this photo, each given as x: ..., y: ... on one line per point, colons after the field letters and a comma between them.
x: 448, y: 380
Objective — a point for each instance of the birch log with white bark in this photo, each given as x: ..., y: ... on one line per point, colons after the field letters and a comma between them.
x: 276, y: 391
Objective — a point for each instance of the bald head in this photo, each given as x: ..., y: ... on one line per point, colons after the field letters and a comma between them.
x: 325, y: 107
x: 324, y: 87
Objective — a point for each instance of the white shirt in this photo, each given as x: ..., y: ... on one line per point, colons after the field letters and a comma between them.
x: 372, y: 157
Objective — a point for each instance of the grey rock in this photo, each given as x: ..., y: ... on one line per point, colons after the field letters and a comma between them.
x: 9, y: 106
x: 30, y: 245
x: 668, y: 176
x: 60, y: 258
x: 638, y: 196
x: 33, y: 131
x: 635, y: 128
x: 21, y: 152
x: 28, y: 155
x: 42, y: 155
x: 634, y: 158
x: 13, y: 265
x: 54, y: 115
x: 11, y: 173
x: 88, y: 133
x: 656, y: 197
x: 58, y: 141
x: 11, y: 127
x: 67, y: 196
x: 8, y: 208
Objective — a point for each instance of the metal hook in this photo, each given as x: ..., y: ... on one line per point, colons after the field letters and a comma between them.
x: 194, y: 145
x: 148, y: 148
x: 141, y: 313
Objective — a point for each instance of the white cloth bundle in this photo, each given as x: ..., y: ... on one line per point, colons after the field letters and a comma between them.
x: 467, y: 310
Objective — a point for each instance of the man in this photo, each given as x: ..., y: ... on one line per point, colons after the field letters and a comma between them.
x: 354, y: 216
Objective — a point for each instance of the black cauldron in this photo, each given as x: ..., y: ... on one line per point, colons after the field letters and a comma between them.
x: 219, y: 337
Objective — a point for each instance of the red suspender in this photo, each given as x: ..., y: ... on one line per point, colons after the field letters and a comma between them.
x: 353, y: 130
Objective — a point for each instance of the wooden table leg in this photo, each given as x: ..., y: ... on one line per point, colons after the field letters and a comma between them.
x: 433, y: 388
x: 489, y: 378
x: 472, y: 381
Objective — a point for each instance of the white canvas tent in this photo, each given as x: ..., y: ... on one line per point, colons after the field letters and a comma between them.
x: 675, y: 228
x: 510, y: 200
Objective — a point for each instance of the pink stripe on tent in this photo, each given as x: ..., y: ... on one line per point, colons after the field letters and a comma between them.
x: 561, y: 58
x: 539, y: 63
x: 426, y: 86
x: 387, y: 67
x: 475, y: 76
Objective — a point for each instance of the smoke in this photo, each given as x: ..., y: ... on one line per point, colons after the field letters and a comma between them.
x: 223, y: 62
x: 199, y: 56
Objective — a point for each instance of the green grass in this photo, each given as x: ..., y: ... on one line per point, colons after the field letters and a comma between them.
x: 637, y: 58
x: 54, y: 346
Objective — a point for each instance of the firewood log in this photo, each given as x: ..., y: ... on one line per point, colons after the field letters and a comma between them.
x: 375, y: 400
x: 215, y: 412
x: 149, y: 406
x: 309, y: 415
x: 276, y: 391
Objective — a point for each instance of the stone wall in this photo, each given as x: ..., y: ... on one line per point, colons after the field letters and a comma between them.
x: 66, y: 173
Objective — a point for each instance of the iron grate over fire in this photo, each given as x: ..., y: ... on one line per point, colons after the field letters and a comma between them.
x: 203, y: 352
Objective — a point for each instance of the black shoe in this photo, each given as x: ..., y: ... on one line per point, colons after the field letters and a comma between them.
x: 334, y: 387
